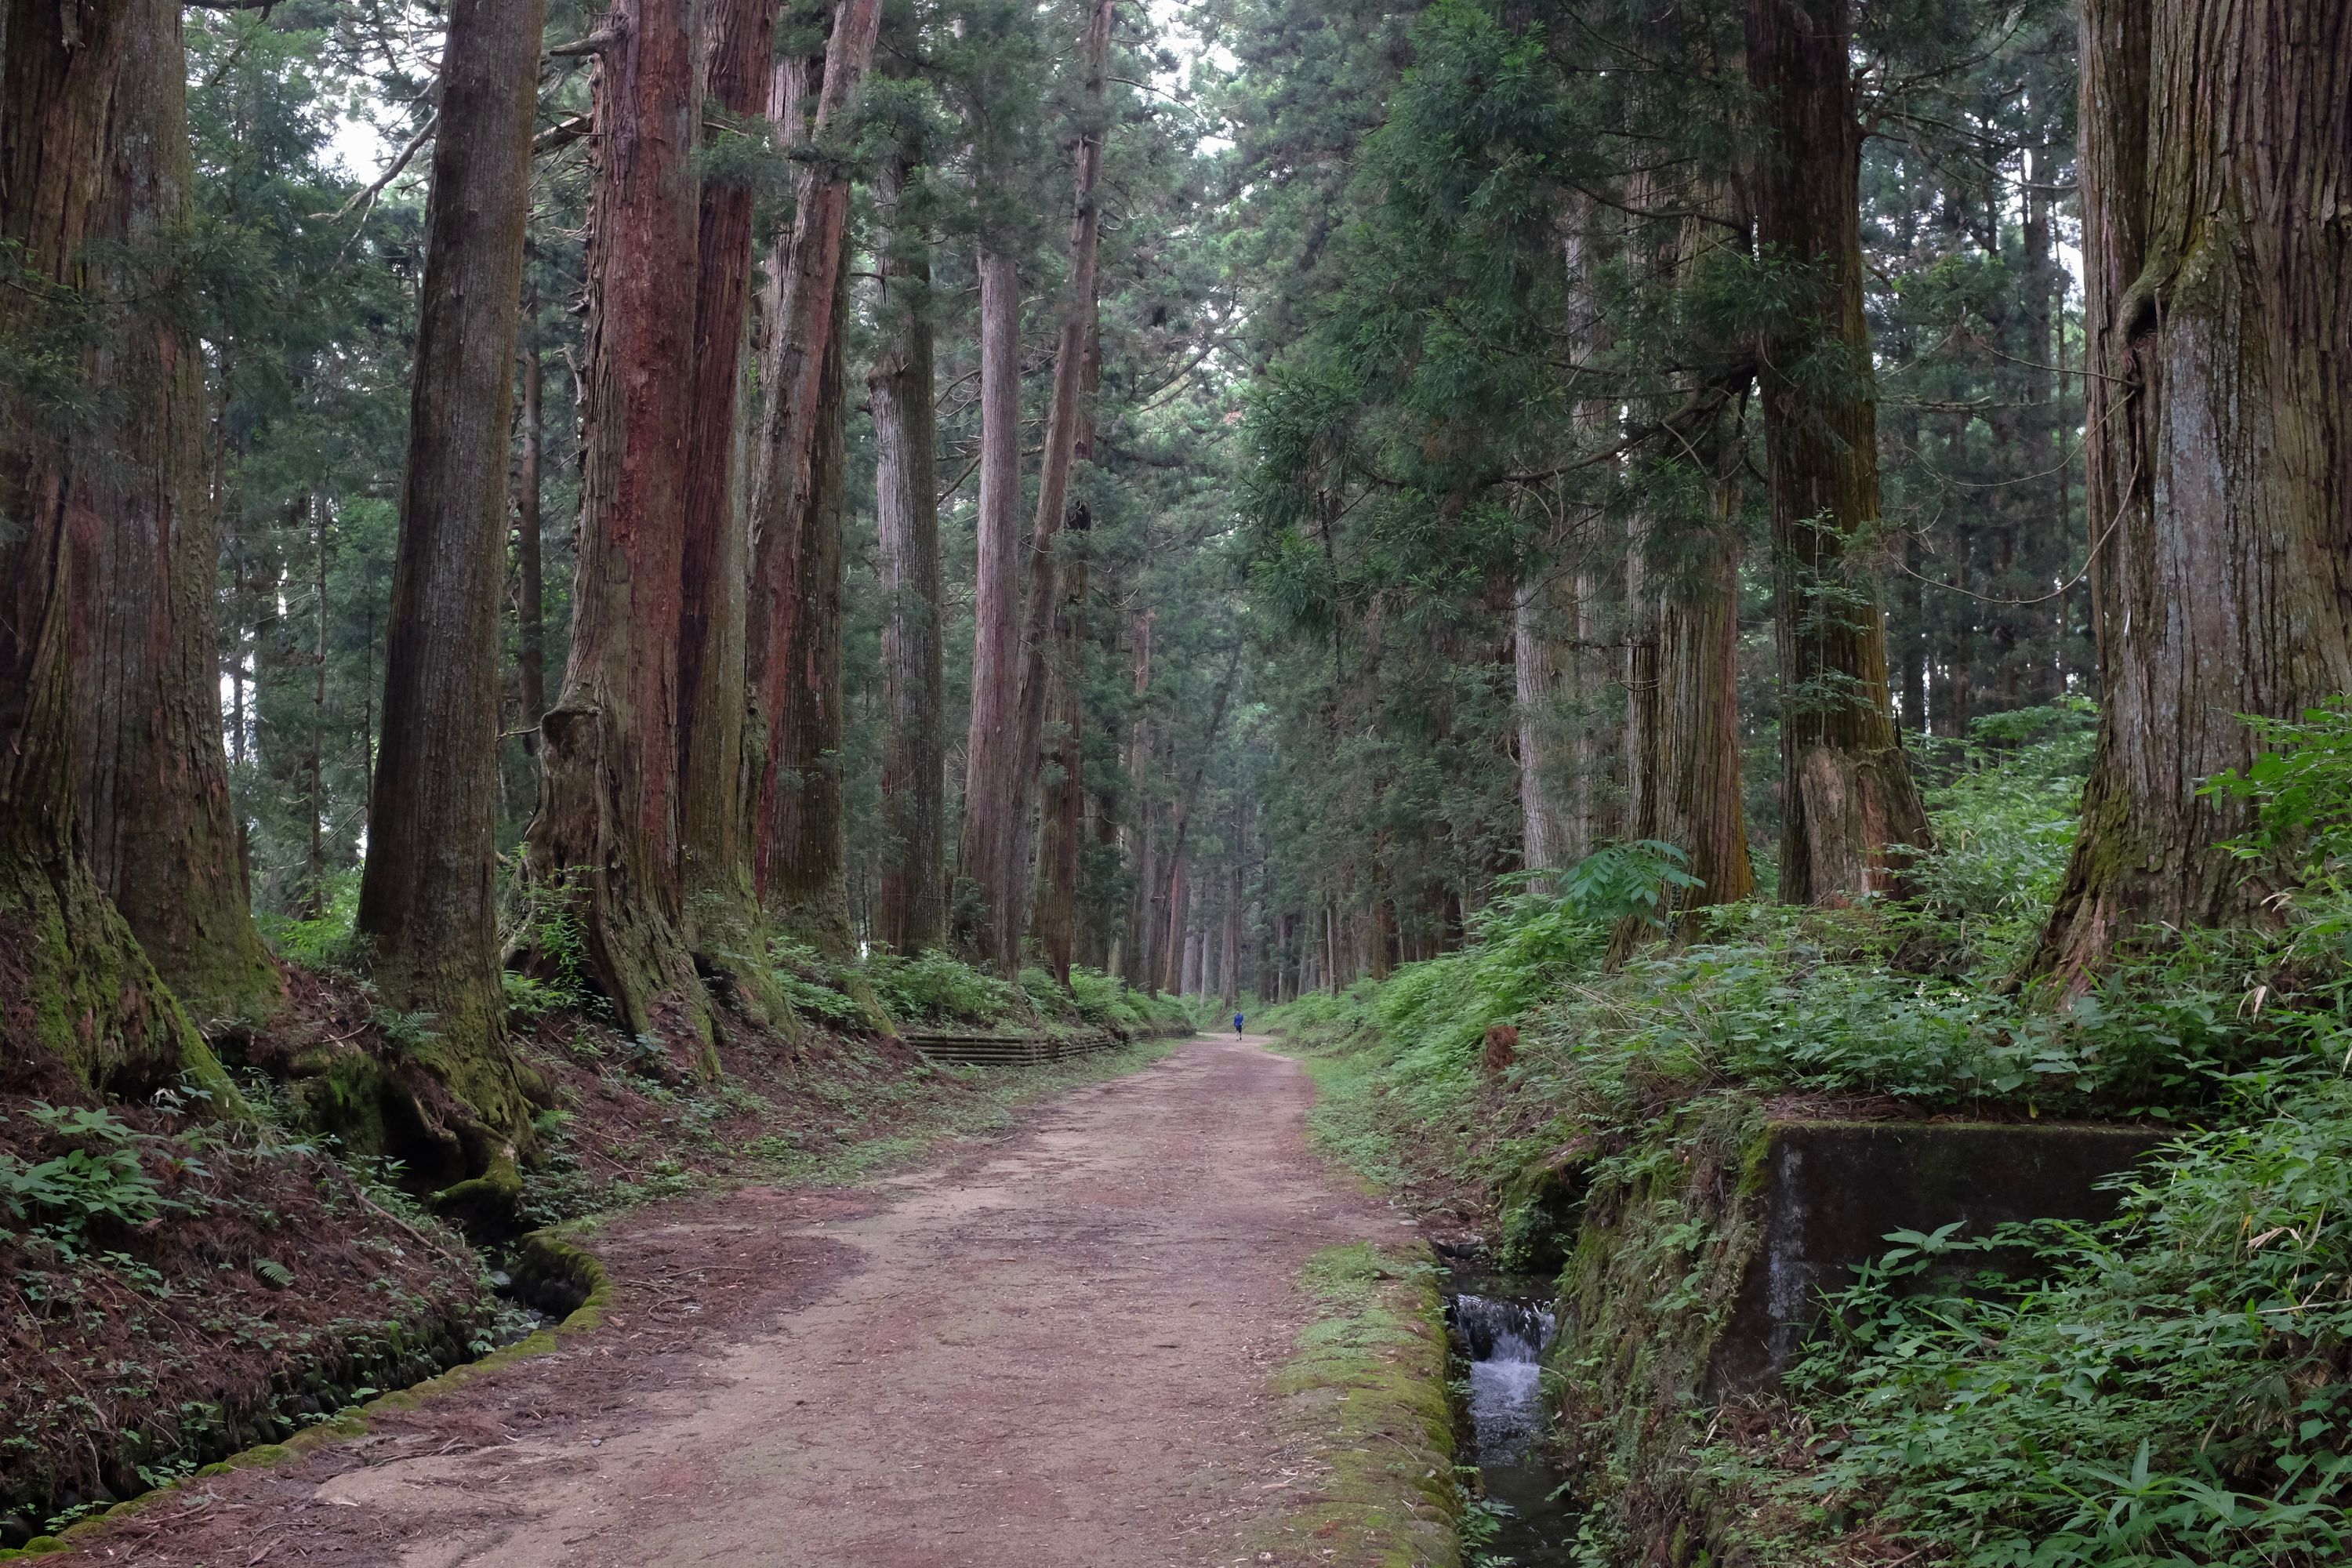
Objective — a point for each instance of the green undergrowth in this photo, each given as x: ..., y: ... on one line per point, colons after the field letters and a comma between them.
x: 2171, y: 1388
x: 1368, y: 1461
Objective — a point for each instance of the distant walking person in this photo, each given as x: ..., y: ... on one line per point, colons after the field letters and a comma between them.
x: 1237, y: 1025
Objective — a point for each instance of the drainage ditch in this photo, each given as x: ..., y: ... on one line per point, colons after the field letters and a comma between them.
x: 1502, y: 1325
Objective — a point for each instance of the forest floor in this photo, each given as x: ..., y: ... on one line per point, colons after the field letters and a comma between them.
x: 1050, y: 1350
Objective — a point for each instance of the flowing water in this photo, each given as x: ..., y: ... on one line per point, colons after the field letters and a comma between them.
x: 1505, y: 1333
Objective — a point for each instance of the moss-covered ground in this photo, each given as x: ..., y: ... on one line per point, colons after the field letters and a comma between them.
x: 1365, y: 1415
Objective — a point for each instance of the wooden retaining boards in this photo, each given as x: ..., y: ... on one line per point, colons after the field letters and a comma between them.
x: 1019, y: 1050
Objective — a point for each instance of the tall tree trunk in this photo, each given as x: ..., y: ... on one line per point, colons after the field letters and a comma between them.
x: 427, y: 897
x: 531, y: 592
x: 1070, y: 438
x: 722, y: 916
x: 992, y: 760
x: 1849, y: 792
x: 1063, y: 809
x: 2217, y: 147
x: 906, y: 483
x: 808, y: 870
x: 804, y: 274
x: 313, y: 902
x: 1232, y: 967
x: 158, y: 826
x: 75, y: 983
x: 1061, y: 672
x: 607, y: 837
x: 1136, y: 956
x: 1545, y: 829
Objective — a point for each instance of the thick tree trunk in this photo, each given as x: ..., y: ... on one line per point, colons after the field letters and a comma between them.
x: 722, y: 916
x: 808, y: 865
x: 605, y: 841
x: 1134, y: 956
x: 1849, y: 792
x: 428, y: 896
x: 906, y: 442
x: 2217, y: 147
x: 804, y: 275
x: 78, y: 111
x: 158, y: 826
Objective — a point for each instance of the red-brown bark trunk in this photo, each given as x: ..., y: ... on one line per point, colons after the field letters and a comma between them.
x: 605, y: 840
x: 723, y: 920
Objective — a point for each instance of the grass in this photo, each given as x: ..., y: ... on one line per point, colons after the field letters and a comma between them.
x: 1365, y: 1415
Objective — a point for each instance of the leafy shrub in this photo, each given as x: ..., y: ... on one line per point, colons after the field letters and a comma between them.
x: 108, y: 1180
x: 2178, y: 1389
x: 814, y: 985
x: 2005, y: 822
x: 324, y: 941
x: 934, y: 988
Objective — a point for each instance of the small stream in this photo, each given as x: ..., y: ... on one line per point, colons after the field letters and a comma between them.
x: 1504, y: 1326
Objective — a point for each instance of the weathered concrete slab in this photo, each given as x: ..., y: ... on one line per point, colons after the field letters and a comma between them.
x: 1832, y: 1191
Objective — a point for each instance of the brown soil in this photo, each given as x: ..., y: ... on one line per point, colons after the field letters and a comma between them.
x: 1051, y: 1351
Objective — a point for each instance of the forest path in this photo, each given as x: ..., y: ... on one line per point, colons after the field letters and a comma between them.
x: 1050, y: 1352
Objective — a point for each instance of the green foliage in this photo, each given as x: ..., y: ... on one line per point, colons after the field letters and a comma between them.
x: 2302, y: 788
x: 324, y: 940
x: 103, y: 1178
x: 2005, y: 821
x: 934, y: 988
x: 815, y: 986
x: 2176, y: 1389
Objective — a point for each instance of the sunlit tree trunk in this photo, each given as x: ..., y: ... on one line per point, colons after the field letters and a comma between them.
x: 157, y: 824
x: 723, y: 919
x: 2217, y: 150
x: 1849, y: 792
x: 75, y: 982
x: 906, y: 439
x: 605, y: 841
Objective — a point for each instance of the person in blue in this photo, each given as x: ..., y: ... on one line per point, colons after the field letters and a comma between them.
x: 1237, y: 1025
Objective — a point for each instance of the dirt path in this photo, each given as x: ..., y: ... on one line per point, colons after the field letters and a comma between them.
x: 1051, y: 1352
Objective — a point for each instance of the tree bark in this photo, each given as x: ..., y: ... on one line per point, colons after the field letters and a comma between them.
x: 2217, y: 146
x: 992, y: 766
x: 158, y: 826
x: 530, y: 591
x: 79, y: 112
x: 605, y: 842
x: 428, y: 895
x: 1061, y: 671
x: 722, y: 916
x: 804, y: 274
x: 1544, y: 828
x: 906, y: 442
x: 808, y: 869
x: 1848, y: 790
